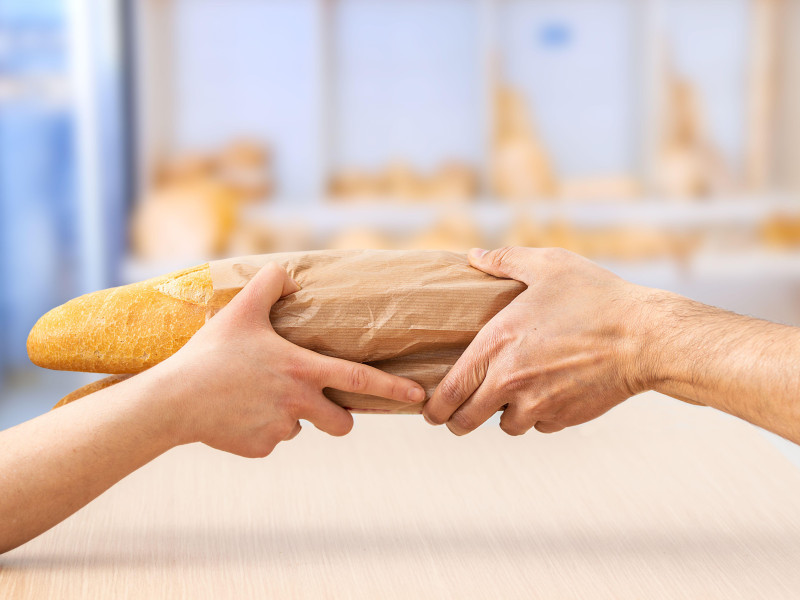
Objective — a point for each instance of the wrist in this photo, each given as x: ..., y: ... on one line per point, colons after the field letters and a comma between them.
x: 671, y: 329
x: 647, y: 332
x: 164, y: 399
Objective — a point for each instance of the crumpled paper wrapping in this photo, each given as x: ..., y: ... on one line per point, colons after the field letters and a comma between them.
x: 410, y: 313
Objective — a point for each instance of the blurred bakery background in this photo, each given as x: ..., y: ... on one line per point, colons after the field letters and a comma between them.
x: 660, y: 138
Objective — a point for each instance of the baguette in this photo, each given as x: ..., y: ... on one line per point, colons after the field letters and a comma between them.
x: 124, y: 329
x: 411, y: 313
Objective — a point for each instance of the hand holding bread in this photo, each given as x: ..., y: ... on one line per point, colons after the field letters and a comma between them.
x: 241, y: 388
x: 565, y: 351
x: 236, y: 386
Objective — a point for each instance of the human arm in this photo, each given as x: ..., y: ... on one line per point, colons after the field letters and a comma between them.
x: 236, y: 386
x: 580, y: 340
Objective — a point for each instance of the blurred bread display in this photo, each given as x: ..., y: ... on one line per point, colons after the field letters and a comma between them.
x: 355, y: 185
x: 611, y: 187
x: 257, y: 236
x: 576, y: 151
x: 360, y: 238
x: 453, y: 181
x: 185, y: 168
x: 245, y: 166
x: 184, y: 221
x: 455, y: 232
x: 398, y: 180
x: 521, y: 169
x: 603, y: 242
x: 688, y: 164
x: 252, y: 237
x: 781, y: 231
x: 194, y: 209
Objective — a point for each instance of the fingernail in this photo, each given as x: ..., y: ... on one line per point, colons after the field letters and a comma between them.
x: 416, y: 394
x: 427, y: 420
x: 297, y: 287
x: 477, y: 252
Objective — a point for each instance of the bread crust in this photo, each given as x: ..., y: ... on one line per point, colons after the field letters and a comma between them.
x: 125, y: 329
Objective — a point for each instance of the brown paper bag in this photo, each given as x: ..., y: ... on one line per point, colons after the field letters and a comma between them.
x: 410, y: 313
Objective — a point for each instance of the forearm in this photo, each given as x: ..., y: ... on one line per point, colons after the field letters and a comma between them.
x: 53, y: 465
x: 747, y: 367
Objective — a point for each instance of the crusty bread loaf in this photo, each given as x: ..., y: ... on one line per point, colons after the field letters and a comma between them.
x: 124, y: 329
x: 411, y: 313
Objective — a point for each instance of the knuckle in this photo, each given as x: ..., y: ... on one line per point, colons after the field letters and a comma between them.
x: 272, y: 273
x: 573, y: 415
x: 390, y: 386
x: 450, y: 391
x: 290, y: 404
x: 502, y: 256
x: 512, y: 427
x: 525, y: 416
x: 534, y: 410
x: 357, y: 378
x: 345, y: 427
x: 295, y: 406
x: 265, y: 452
x: 513, y: 382
x: 273, y: 267
x: 556, y: 259
x: 555, y: 254
x: 502, y: 333
x: 432, y: 415
x: 498, y: 334
x: 284, y: 429
x: 548, y: 427
x: 260, y: 449
x: 463, y: 422
x: 297, y: 369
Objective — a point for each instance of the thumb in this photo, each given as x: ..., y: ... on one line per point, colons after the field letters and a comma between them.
x: 510, y: 262
x: 267, y: 286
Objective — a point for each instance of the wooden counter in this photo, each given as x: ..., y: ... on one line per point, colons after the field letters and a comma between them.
x: 655, y: 500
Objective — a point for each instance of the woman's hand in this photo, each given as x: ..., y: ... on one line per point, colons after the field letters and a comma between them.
x: 236, y: 386
x: 239, y: 387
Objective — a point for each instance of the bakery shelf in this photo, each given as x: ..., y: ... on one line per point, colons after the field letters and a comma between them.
x: 329, y: 215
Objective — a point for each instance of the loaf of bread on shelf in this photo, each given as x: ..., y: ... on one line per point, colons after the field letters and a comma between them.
x: 185, y: 220
x: 407, y: 312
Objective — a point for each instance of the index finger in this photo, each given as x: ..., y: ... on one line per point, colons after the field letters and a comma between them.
x: 460, y: 383
x: 362, y: 379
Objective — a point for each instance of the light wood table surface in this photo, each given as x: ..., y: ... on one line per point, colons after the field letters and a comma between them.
x: 655, y: 500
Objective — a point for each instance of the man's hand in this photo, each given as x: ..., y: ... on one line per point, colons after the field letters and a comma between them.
x: 242, y: 387
x: 565, y: 351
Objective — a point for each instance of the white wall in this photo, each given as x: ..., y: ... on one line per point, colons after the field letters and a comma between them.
x: 708, y: 41
x: 408, y: 82
x: 409, y: 79
x: 575, y: 61
x: 248, y: 67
